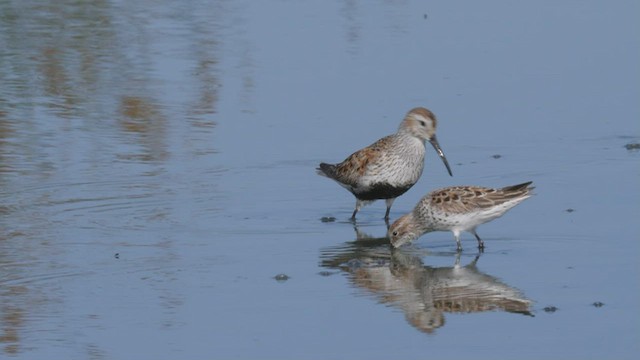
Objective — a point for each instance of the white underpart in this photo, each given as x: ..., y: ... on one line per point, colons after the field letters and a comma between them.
x: 469, y: 221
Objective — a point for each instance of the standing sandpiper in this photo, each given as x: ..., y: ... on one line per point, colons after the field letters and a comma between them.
x: 389, y: 167
x: 457, y: 209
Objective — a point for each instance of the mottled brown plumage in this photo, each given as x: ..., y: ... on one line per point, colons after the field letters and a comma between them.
x: 457, y: 209
x: 466, y: 199
x: 389, y: 167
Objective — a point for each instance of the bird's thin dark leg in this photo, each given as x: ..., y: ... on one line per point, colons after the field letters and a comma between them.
x: 358, y: 206
x: 389, y: 202
x: 480, y: 242
x: 457, y: 262
x: 458, y: 244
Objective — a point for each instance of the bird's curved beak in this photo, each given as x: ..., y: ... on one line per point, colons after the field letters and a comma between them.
x: 434, y: 142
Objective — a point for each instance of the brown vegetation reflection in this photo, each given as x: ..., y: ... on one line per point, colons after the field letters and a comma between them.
x: 12, y: 316
x: 5, y: 133
x: 142, y: 117
x: 86, y: 85
x: 399, y: 278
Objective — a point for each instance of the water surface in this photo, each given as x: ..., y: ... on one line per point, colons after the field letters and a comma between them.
x: 157, y: 172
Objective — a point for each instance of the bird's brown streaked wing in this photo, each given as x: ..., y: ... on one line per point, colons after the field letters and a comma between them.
x: 460, y: 199
x: 355, y: 166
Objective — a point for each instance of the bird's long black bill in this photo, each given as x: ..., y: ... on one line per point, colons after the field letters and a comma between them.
x: 434, y: 142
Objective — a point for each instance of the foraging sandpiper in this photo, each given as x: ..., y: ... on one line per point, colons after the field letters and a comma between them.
x: 457, y: 209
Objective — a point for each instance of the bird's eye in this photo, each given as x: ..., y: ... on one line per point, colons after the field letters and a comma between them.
x: 422, y: 123
x: 395, y: 233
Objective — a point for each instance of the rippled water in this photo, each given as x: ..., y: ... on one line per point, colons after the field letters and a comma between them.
x: 157, y: 175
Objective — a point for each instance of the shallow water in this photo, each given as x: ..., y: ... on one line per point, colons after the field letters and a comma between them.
x: 157, y: 174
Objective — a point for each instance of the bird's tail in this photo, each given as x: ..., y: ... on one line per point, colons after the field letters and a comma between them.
x: 519, y: 190
x: 328, y: 170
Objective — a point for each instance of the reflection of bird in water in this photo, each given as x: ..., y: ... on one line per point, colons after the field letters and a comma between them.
x: 389, y: 167
x: 424, y: 293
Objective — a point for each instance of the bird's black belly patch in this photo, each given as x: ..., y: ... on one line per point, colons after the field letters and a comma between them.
x: 382, y: 191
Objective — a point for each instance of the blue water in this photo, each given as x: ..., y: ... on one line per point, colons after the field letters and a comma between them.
x: 157, y: 172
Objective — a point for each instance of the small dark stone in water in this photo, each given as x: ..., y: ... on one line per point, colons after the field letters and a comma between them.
x: 598, y: 304
x: 117, y: 255
x: 570, y: 210
x: 325, y: 273
x: 281, y: 277
x: 327, y: 219
x: 497, y: 156
x: 425, y: 16
x: 550, y: 309
x: 632, y: 146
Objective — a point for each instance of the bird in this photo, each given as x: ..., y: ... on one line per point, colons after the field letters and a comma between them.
x: 390, y: 166
x: 457, y: 209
